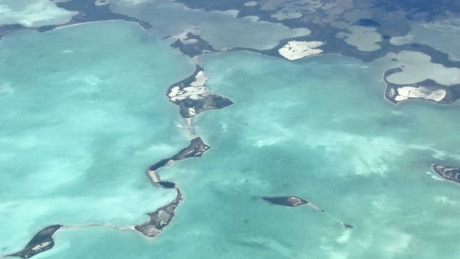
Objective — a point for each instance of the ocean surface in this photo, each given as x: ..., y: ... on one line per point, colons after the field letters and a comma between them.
x: 84, y: 113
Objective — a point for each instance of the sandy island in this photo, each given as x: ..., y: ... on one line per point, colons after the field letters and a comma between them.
x: 294, y: 50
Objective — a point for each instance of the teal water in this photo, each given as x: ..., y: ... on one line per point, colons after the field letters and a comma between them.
x: 318, y: 128
x: 83, y: 115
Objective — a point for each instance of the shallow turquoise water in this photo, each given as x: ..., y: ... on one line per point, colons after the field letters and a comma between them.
x: 319, y: 129
x: 83, y: 116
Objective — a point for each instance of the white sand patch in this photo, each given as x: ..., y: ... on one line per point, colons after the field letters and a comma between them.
x: 417, y: 67
x: 6, y: 89
x: 252, y: 18
x: 200, y: 79
x: 396, y: 242
x: 435, y: 176
x: 86, y: 82
x: 101, y: 2
x: 283, y: 15
x: 436, y: 153
x: 295, y: 50
x: 153, y: 176
x: 191, y: 111
x: 67, y: 51
x: 250, y: 3
x: 161, y: 148
x: 33, y: 13
x: 362, y: 37
x: 337, y: 255
x: 299, y: 32
x: 401, y: 40
x: 366, y: 156
x: 183, y: 35
x: 344, y: 237
x: 195, y: 91
x: 446, y: 201
x: 233, y: 13
x: 332, y: 251
x: 276, y: 133
x: 268, y: 141
x: 410, y: 92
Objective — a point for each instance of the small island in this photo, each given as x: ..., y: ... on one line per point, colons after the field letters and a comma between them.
x: 425, y: 90
x: 41, y: 242
x: 289, y: 201
x: 447, y: 172
x: 160, y: 218
x: 294, y: 50
x: 294, y: 201
x: 193, y: 97
x: 191, y: 44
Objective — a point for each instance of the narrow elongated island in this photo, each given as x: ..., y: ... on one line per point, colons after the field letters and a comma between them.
x: 447, y: 172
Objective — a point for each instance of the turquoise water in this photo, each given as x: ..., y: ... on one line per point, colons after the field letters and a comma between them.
x: 319, y: 128
x: 83, y: 116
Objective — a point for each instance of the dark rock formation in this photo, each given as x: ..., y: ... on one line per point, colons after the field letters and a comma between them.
x: 447, y: 172
x: 41, y: 242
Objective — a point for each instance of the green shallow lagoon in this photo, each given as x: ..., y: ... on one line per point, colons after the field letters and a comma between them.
x: 318, y: 128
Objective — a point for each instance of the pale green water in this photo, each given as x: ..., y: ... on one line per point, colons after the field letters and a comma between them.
x: 318, y: 129
x: 220, y: 29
